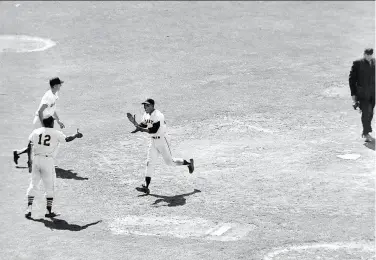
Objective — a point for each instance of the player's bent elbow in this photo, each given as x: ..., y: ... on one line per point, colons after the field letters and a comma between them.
x: 42, y: 108
x: 154, y: 128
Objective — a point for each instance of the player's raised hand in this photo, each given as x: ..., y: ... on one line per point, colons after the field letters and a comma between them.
x: 132, y: 119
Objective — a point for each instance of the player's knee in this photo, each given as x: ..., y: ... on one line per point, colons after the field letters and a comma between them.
x: 169, y: 161
x: 31, y: 190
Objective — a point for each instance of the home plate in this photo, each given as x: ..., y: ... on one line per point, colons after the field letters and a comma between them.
x: 349, y: 156
x: 181, y: 227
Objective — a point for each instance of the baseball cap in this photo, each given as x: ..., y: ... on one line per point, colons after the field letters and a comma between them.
x: 55, y: 81
x: 368, y: 51
x: 149, y: 101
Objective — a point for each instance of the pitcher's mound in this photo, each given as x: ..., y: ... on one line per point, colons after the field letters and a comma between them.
x: 23, y: 43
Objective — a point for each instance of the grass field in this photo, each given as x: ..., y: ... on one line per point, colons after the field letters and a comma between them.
x: 256, y: 92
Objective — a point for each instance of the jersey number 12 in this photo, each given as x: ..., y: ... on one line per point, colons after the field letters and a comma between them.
x: 46, y: 140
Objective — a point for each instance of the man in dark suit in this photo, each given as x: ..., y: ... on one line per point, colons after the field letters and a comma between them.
x: 362, y: 87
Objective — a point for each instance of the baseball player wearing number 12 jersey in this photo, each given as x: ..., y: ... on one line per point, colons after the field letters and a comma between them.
x: 45, y: 141
x: 153, y: 122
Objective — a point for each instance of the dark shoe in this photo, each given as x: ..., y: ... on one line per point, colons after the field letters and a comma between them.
x: 191, y: 166
x: 15, y: 157
x: 30, y: 166
x: 143, y: 189
x: 368, y: 138
x: 28, y: 213
x: 51, y: 215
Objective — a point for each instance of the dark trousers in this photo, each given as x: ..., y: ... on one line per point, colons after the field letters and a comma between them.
x: 367, y: 106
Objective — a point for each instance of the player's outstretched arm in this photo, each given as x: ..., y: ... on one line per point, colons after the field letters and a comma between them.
x: 144, y: 128
x: 72, y: 137
x: 140, y: 127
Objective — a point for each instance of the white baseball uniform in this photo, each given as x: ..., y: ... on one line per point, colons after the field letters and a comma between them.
x: 49, y: 99
x: 45, y: 146
x: 158, y: 143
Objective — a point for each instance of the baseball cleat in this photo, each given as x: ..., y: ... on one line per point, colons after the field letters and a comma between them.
x: 15, y: 157
x: 30, y: 166
x: 368, y: 138
x: 143, y: 189
x: 28, y: 213
x: 51, y: 215
x: 191, y: 166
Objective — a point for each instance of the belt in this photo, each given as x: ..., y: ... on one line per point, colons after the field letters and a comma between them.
x: 155, y: 137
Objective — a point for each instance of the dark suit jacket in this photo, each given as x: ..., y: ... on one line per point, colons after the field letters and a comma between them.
x: 362, y: 79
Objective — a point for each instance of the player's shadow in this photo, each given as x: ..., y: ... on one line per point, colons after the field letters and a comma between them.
x: 173, y: 201
x: 68, y: 174
x: 60, y: 224
x: 370, y: 145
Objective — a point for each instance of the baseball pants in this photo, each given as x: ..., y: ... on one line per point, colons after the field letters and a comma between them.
x: 43, y: 169
x: 156, y: 147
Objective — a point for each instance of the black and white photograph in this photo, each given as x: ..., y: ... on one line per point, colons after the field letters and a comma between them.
x: 187, y: 130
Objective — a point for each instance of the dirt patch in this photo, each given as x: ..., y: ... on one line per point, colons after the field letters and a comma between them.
x: 23, y: 43
x: 181, y: 227
x: 330, y: 251
x: 336, y: 92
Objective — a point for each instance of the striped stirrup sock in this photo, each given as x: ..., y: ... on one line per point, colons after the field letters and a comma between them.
x: 30, y: 200
x: 49, y: 204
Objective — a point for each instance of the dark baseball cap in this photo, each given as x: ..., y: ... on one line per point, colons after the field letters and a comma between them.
x: 149, y: 101
x: 55, y: 81
x: 368, y: 51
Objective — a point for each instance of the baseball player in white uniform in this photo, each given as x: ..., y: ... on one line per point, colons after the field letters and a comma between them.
x: 47, y: 108
x: 153, y: 122
x: 45, y: 141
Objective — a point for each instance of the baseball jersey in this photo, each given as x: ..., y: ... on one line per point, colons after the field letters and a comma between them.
x: 46, y: 141
x: 49, y: 99
x: 154, y: 117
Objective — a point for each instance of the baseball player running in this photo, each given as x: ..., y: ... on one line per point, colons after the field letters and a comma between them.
x: 153, y: 123
x: 47, y: 108
x: 45, y: 141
